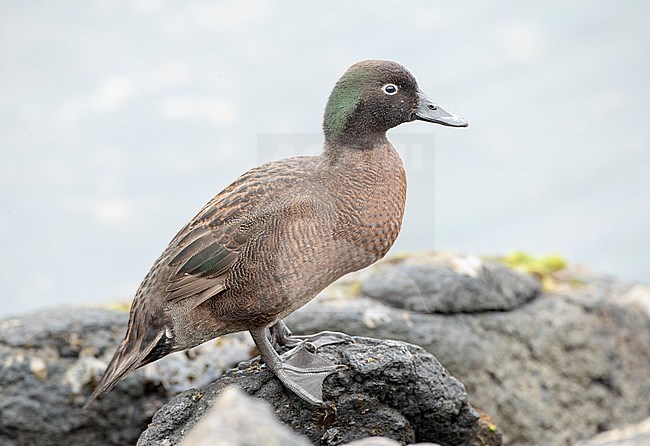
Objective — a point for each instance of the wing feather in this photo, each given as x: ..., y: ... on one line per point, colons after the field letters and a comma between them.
x: 201, y: 262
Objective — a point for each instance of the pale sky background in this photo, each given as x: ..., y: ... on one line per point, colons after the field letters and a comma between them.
x: 120, y: 119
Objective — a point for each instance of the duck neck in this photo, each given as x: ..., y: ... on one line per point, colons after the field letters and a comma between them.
x: 351, y: 145
x: 375, y: 150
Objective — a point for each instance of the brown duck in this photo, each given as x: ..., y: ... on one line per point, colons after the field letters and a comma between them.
x: 281, y: 233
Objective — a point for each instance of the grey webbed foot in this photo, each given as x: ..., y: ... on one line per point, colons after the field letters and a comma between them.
x: 282, y: 336
x: 300, y: 369
x: 309, y: 371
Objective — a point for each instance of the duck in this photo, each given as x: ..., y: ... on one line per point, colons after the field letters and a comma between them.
x: 281, y: 233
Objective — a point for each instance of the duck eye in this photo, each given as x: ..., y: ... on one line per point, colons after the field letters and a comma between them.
x: 390, y: 89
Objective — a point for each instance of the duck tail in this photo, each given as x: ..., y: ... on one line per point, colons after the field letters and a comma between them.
x: 128, y: 357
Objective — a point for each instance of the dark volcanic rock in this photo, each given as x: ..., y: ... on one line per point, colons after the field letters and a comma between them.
x: 461, y: 284
x: 47, y: 361
x: 565, y: 366
x: 389, y: 389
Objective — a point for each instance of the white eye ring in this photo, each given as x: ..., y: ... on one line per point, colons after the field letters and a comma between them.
x: 390, y: 89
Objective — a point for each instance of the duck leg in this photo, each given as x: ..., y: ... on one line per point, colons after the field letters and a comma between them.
x: 300, y: 369
x: 281, y: 335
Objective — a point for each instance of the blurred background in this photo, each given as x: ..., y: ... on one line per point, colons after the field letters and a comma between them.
x: 120, y: 119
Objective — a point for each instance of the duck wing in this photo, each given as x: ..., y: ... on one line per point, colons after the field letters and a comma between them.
x: 203, y: 253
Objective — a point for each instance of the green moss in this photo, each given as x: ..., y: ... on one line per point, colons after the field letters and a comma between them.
x: 541, y: 266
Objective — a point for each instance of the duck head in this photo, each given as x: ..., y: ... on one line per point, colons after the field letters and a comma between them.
x: 373, y: 96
